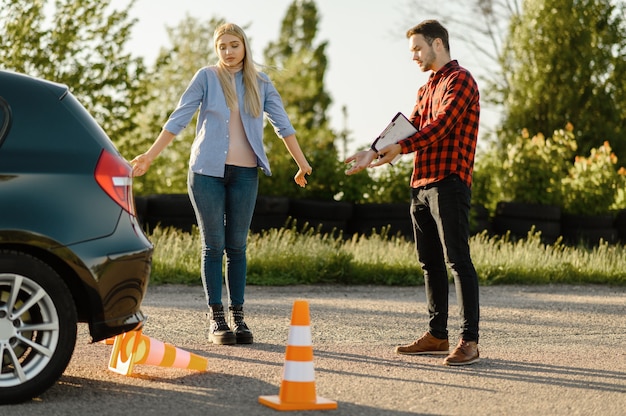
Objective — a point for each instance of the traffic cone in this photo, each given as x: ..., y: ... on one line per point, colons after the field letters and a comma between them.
x: 297, y: 389
x: 134, y: 347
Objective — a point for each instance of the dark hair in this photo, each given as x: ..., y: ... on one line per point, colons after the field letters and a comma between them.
x: 431, y: 30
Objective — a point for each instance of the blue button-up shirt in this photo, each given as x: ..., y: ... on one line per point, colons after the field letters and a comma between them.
x: 210, y: 147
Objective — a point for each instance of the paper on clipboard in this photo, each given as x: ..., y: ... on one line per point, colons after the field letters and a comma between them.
x: 398, y: 129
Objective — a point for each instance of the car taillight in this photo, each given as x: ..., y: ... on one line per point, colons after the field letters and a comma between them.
x: 114, y: 175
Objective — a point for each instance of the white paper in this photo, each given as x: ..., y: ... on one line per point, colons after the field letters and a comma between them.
x: 398, y: 129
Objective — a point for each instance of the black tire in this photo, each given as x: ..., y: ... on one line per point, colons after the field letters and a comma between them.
x: 588, y: 229
x: 170, y: 205
x: 271, y: 205
x: 141, y: 209
x: 620, y: 225
x: 385, y: 212
x: 529, y: 211
x: 320, y: 210
x: 587, y: 221
x: 267, y: 222
x: 41, y: 340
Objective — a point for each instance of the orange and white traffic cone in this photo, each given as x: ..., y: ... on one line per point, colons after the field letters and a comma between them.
x: 297, y: 389
x: 134, y: 347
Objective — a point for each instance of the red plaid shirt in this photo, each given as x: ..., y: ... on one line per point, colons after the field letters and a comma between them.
x: 446, y: 113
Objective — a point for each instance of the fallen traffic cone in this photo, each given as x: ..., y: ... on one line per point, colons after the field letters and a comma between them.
x: 297, y: 390
x: 108, y: 341
x: 134, y: 347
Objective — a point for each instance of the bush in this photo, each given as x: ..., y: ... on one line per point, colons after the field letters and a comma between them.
x: 534, y: 167
x: 592, y: 186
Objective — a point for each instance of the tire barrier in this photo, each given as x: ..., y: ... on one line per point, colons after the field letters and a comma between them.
x: 346, y: 218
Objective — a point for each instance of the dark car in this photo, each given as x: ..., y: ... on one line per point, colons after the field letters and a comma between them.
x: 71, y: 248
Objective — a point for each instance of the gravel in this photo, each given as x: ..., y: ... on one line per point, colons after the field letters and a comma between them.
x: 549, y: 350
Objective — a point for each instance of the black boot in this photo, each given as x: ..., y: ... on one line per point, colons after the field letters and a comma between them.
x: 241, y: 330
x: 219, y: 332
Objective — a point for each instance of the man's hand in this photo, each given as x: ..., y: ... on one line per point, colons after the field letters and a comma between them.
x: 362, y: 160
x: 387, y: 154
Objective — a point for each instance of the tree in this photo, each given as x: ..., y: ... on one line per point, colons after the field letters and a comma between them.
x: 550, y: 62
x: 564, y: 62
x: 300, y: 81
x: 80, y: 44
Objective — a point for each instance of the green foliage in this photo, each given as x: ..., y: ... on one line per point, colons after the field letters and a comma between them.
x: 531, y: 169
x: 565, y: 60
x: 287, y: 257
x: 534, y: 167
x: 544, y: 171
x: 591, y: 188
x: 392, y: 183
x: 486, y: 180
x: 300, y: 80
x: 79, y: 43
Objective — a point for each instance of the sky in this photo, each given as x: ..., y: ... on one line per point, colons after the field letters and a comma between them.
x: 370, y: 69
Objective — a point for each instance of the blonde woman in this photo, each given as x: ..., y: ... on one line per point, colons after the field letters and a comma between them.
x: 232, y: 97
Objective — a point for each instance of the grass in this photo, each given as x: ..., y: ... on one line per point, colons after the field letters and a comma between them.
x: 286, y: 257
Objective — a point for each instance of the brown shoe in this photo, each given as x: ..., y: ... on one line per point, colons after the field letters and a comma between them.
x: 426, y: 345
x: 464, y: 354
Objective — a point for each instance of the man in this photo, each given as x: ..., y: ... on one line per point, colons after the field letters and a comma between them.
x: 446, y: 115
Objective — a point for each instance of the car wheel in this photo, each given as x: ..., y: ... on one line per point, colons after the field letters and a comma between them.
x: 37, y: 327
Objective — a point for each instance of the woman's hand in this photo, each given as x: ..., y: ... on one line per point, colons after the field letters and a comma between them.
x: 300, y: 177
x: 141, y: 164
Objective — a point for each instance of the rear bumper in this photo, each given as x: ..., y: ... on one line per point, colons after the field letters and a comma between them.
x: 104, y: 330
x: 116, y: 283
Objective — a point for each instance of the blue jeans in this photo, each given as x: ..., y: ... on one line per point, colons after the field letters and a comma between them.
x: 440, y: 214
x: 224, y: 208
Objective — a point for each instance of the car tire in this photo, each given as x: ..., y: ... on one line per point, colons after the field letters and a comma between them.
x: 37, y: 345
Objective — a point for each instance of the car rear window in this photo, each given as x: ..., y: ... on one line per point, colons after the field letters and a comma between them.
x: 5, y: 119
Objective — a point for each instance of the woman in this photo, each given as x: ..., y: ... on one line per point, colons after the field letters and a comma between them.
x: 223, y: 176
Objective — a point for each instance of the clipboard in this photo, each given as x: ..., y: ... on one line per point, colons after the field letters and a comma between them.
x: 398, y: 129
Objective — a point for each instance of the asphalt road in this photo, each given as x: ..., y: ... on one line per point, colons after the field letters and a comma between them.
x: 546, y: 350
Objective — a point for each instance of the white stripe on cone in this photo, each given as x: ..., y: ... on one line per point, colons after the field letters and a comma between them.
x: 299, y: 336
x: 300, y: 371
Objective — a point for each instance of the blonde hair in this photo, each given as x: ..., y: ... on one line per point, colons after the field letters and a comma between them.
x: 252, y: 97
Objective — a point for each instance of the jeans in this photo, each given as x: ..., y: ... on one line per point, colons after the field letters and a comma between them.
x: 440, y: 214
x: 224, y: 208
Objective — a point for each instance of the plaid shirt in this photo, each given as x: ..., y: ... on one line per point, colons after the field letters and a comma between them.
x: 446, y: 113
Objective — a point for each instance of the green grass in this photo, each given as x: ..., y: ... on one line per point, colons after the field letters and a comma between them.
x: 287, y: 257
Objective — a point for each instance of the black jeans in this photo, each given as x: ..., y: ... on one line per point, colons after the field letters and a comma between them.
x: 440, y: 214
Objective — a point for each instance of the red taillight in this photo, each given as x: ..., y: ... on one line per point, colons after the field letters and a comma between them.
x: 114, y: 175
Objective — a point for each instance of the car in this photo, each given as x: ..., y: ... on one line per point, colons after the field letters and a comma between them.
x: 71, y: 248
